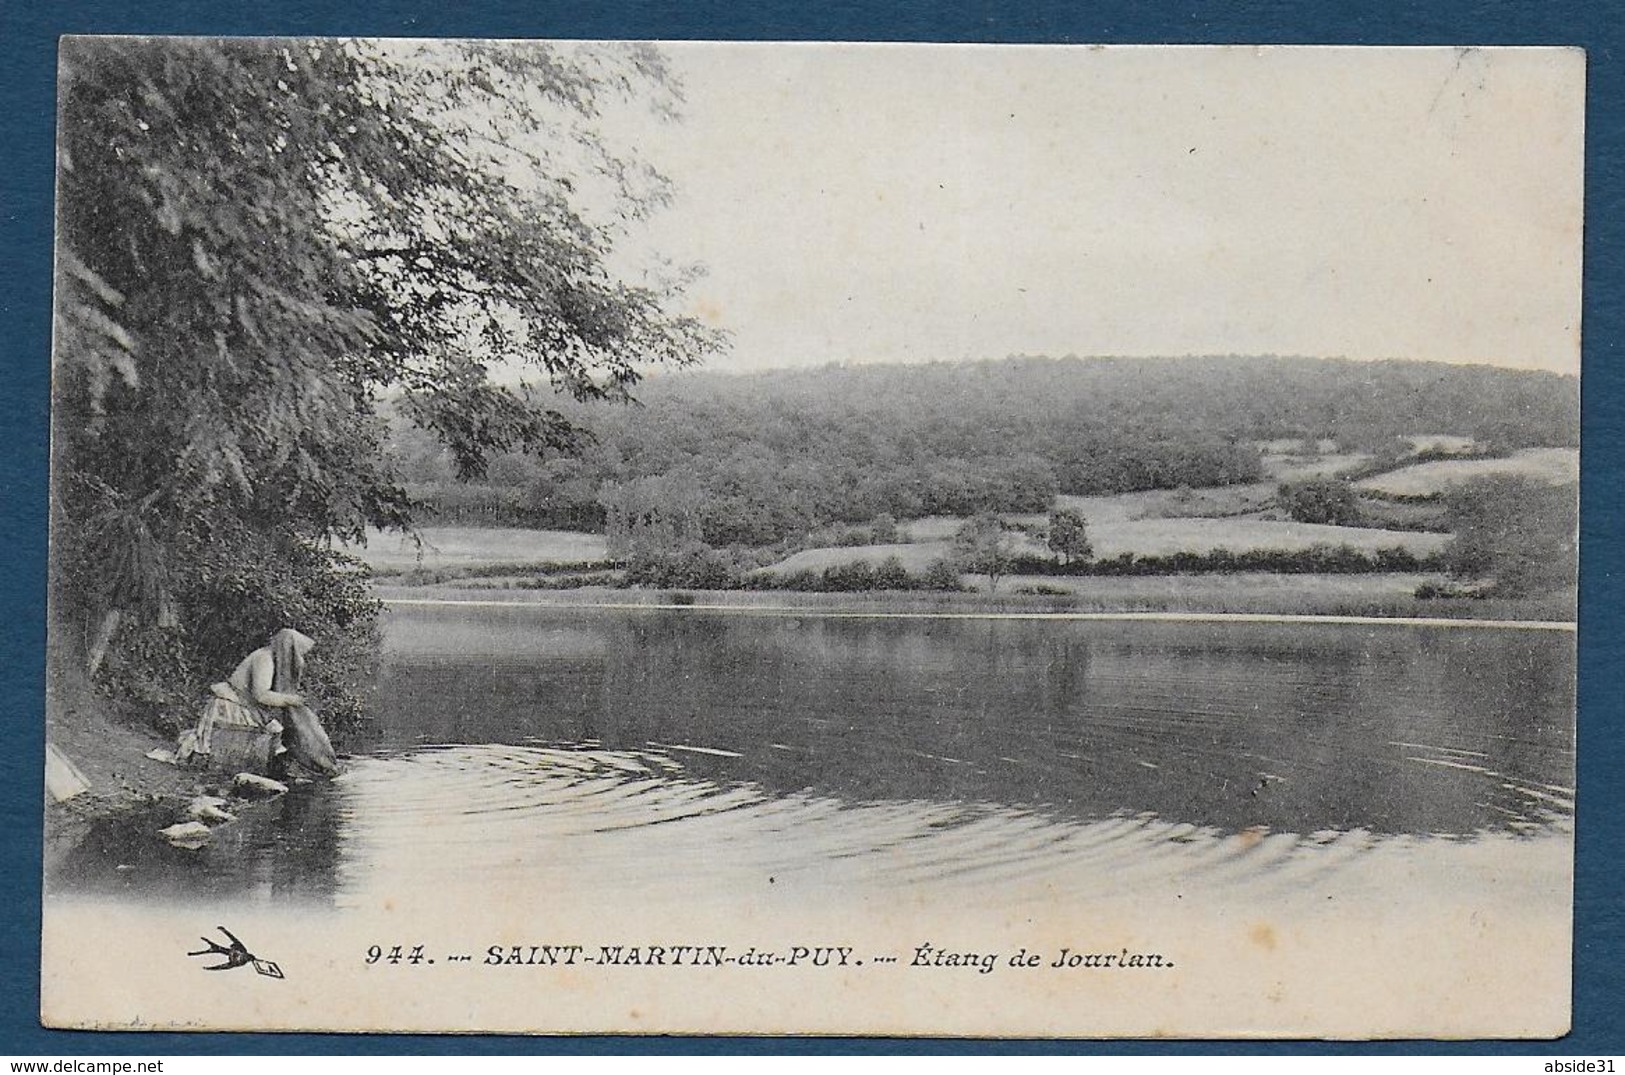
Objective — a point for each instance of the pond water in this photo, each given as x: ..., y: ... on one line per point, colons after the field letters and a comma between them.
x: 666, y: 751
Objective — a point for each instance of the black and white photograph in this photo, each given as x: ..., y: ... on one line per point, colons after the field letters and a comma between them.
x: 606, y: 537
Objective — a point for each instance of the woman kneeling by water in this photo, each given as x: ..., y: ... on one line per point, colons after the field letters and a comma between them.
x: 262, y: 695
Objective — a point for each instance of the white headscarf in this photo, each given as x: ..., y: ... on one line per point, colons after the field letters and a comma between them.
x: 288, y: 650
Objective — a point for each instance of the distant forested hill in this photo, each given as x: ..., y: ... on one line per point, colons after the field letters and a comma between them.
x: 751, y: 459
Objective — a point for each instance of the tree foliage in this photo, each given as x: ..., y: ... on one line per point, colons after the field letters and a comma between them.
x: 1329, y: 501
x: 259, y: 239
x: 1517, y: 534
x: 777, y: 454
x: 651, y: 520
x: 983, y: 546
x: 1069, y: 535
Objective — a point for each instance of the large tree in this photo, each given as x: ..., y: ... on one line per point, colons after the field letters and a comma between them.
x: 258, y: 240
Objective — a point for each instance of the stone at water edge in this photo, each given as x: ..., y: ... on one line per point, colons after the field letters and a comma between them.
x: 207, y: 808
x: 186, y: 833
x: 63, y: 780
x: 253, y: 786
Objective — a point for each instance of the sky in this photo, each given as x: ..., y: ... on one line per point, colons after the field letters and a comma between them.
x: 904, y: 203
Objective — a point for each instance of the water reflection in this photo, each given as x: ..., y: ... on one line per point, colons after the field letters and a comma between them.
x: 280, y: 852
x: 1297, y: 728
x: 550, y: 746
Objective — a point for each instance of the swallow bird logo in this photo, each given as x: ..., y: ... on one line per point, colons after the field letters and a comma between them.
x: 236, y: 955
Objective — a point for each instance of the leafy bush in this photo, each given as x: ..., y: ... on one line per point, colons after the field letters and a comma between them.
x: 240, y: 588
x: 860, y: 577
x: 1328, y: 501
x: 942, y: 575
x: 892, y: 575
x: 691, y: 565
x: 1317, y: 559
x: 1517, y: 534
x: 882, y: 530
x: 1436, y: 591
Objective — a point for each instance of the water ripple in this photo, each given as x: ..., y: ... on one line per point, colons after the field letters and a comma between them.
x: 631, y: 820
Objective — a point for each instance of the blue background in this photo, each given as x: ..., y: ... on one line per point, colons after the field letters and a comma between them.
x: 27, y: 73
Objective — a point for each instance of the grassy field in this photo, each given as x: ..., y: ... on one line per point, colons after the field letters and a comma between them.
x: 451, y: 547
x: 504, y: 564
x: 1162, y: 537
x: 472, y: 552
x: 1293, y: 468
x: 916, y: 557
x: 1137, y: 523
x: 1559, y: 466
x: 1220, y: 502
x: 1115, y: 534
x: 1251, y: 591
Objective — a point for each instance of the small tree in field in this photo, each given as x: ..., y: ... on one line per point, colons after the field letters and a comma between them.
x: 983, y: 546
x: 1320, y: 500
x: 1069, y: 536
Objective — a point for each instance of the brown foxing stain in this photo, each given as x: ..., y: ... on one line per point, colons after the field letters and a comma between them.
x: 1262, y: 935
x: 1250, y: 838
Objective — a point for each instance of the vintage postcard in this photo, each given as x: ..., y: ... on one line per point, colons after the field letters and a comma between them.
x: 604, y: 537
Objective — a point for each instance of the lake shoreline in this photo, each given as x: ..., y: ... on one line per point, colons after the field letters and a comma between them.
x: 1241, y: 597
x: 113, y: 756
x: 123, y: 780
